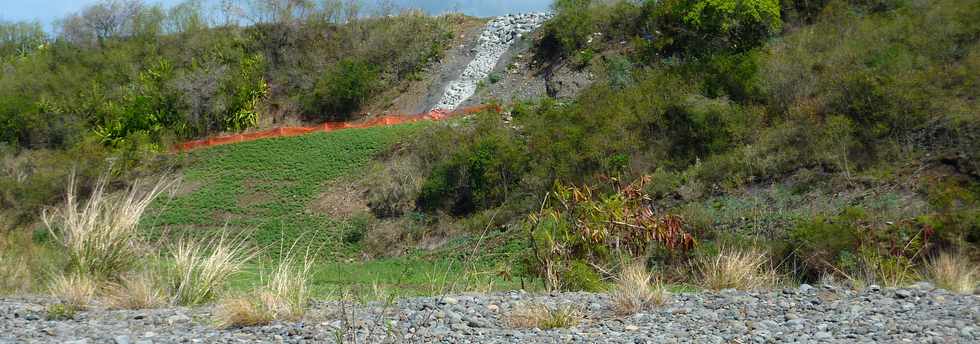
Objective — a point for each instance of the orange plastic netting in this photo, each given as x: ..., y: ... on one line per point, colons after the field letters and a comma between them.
x: 434, y: 115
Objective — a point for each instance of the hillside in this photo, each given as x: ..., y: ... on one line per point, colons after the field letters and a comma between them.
x: 648, y: 171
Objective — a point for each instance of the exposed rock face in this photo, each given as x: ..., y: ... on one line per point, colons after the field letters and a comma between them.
x: 498, y: 36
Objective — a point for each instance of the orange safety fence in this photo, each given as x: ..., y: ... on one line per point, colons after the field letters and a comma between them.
x: 434, y: 115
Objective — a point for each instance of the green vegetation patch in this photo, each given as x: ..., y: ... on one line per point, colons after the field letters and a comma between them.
x: 266, y: 186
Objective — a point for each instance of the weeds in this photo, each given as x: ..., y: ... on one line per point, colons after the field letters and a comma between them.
x: 634, y: 292
x: 61, y: 312
x: 736, y: 269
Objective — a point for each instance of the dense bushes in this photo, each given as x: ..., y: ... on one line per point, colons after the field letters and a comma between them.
x: 488, y: 162
x: 20, y: 39
x: 343, y: 90
x: 685, y: 28
x: 856, y: 97
x: 150, y: 74
x: 698, y: 27
x: 579, y: 228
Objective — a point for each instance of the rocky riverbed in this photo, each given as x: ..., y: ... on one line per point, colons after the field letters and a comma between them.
x: 920, y: 314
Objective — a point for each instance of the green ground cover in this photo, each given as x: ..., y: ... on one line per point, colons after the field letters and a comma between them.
x: 265, y: 186
x: 263, y: 189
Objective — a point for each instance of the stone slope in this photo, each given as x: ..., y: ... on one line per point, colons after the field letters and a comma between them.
x: 495, y: 40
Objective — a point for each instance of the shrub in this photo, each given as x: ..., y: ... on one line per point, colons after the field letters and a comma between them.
x: 954, y: 272
x: 572, y: 25
x: 860, y: 248
x: 487, y: 162
x: 581, y: 226
x: 494, y: 78
x: 633, y: 292
x: 619, y: 72
x: 738, y: 269
x: 343, y: 90
x: 581, y: 277
x: 543, y: 317
x: 735, y: 75
x: 394, y: 186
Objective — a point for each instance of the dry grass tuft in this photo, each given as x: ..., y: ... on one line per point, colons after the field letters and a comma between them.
x: 75, y: 290
x: 201, y: 269
x: 540, y: 316
x: 241, y: 311
x: 284, y: 297
x: 737, y: 269
x: 287, y: 293
x: 99, y: 236
x: 954, y: 272
x: 634, y: 292
x: 20, y: 263
x: 138, y: 291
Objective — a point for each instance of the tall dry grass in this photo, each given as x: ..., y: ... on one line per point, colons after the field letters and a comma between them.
x: 732, y: 268
x: 99, y: 235
x: 636, y: 291
x: 136, y: 291
x: 954, y: 272
x: 203, y: 268
x: 22, y: 263
x: 285, y: 296
x: 287, y: 293
x: 76, y: 290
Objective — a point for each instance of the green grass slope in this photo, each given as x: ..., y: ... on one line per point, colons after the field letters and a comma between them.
x: 265, y: 187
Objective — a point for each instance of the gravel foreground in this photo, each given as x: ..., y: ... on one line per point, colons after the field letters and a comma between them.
x: 806, y: 314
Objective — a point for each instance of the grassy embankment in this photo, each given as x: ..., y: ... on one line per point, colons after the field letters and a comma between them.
x: 265, y: 188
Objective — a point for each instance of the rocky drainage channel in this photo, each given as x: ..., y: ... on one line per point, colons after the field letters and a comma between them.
x: 806, y: 314
x: 498, y: 36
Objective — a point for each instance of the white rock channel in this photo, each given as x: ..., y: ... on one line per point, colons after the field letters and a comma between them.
x: 496, y: 38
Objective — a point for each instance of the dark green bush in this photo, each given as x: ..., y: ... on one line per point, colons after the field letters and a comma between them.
x: 582, y: 277
x: 699, y: 27
x: 733, y: 75
x: 488, y: 163
x: 343, y: 90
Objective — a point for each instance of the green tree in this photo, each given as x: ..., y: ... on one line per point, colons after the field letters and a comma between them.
x: 707, y: 26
